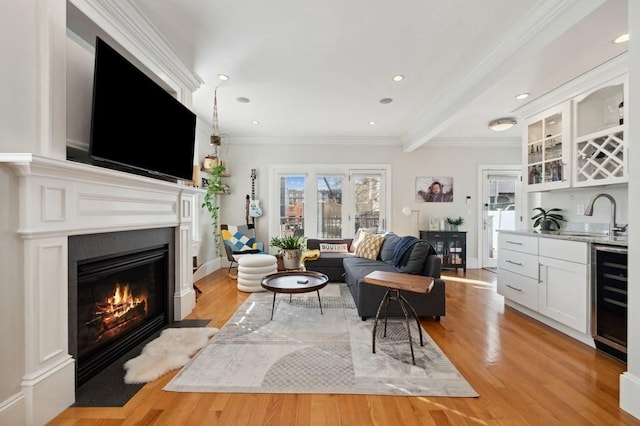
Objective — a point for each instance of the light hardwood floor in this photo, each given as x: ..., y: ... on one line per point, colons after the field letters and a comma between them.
x: 525, y: 372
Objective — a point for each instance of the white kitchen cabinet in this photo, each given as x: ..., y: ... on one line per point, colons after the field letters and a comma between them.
x: 519, y: 288
x: 564, y: 282
x: 600, y: 148
x: 547, y: 149
x: 548, y: 276
x: 564, y: 293
x: 518, y: 269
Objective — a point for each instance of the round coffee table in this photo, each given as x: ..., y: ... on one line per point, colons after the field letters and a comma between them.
x: 294, y: 282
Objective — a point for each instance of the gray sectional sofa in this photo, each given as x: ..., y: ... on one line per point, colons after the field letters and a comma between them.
x: 329, y: 264
x: 420, y: 260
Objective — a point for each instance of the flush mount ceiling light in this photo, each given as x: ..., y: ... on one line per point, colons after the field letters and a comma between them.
x: 502, y: 124
x: 223, y: 77
x: 522, y: 96
x: 398, y: 77
x: 621, y: 39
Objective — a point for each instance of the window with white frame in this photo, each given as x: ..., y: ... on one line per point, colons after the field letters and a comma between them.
x: 328, y: 201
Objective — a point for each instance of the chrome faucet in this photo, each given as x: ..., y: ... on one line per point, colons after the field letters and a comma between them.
x: 613, y: 227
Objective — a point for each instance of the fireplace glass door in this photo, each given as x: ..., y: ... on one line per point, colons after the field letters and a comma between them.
x: 121, y: 301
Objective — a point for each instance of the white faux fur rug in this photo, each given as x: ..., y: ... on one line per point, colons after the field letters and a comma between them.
x: 172, y: 349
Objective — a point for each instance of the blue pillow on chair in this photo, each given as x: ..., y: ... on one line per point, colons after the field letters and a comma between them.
x: 241, y: 242
x: 237, y: 240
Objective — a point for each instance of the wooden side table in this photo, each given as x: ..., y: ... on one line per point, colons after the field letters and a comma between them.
x: 394, y: 282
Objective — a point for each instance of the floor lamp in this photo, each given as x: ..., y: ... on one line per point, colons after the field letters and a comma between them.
x: 407, y: 212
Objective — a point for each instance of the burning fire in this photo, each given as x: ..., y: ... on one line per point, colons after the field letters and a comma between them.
x: 117, y: 313
x: 122, y: 301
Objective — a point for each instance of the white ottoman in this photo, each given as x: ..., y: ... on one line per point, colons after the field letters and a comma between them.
x: 252, y: 268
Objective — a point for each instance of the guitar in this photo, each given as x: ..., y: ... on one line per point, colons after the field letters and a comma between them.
x: 246, y: 210
x: 254, y: 205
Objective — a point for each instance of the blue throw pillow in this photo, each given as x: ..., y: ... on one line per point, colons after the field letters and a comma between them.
x: 386, y: 252
x: 241, y: 242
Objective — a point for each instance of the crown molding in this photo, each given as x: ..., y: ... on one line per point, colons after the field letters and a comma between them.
x: 609, y: 70
x: 313, y: 140
x: 123, y: 21
x: 473, y: 142
x: 545, y: 22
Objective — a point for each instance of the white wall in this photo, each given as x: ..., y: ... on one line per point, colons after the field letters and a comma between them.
x: 630, y: 381
x: 459, y: 162
x: 33, y: 110
x: 32, y: 118
x: 569, y: 199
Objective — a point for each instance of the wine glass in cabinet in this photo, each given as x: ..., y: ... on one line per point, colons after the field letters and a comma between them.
x: 547, y: 149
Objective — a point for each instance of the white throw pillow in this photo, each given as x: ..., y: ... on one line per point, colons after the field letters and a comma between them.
x: 333, y: 248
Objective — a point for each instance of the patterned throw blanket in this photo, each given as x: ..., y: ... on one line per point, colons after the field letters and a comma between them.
x: 402, y: 250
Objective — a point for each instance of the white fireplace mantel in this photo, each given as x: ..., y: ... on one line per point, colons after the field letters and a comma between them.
x: 57, y: 199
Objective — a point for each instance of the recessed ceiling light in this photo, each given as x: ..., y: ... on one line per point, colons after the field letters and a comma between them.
x: 398, y: 77
x: 372, y: 123
x: 621, y: 39
x: 223, y: 77
x: 502, y: 124
x: 243, y: 100
x: 522, y: 96
x: 255, y: 122
x: 386, y: 100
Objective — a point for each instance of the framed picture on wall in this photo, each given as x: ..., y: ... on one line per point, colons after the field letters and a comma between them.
x: 434, y: 189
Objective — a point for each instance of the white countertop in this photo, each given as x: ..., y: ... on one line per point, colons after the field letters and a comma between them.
x: 619, y: 240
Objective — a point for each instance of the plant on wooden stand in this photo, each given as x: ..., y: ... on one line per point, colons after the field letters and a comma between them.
x: 215, y: 187
x: 547, y: 218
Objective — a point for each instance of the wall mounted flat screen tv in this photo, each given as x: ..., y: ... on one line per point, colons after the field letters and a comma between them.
x: 136, y: 125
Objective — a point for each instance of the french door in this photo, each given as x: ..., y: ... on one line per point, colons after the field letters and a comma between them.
x: 501, y: 193
x: 328, y: 201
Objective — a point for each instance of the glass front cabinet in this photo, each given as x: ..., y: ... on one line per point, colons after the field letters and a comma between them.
x: 451, y: 247
x: 548, y: 149
x: 600, y: 149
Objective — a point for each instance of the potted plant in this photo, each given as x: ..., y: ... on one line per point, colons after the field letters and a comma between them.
x: 547, y: 219
x: 215, y: 186
x: 291, y: 247
x: 455, y: 222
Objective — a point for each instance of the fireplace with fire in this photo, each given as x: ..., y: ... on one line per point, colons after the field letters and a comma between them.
x: 120, y: 295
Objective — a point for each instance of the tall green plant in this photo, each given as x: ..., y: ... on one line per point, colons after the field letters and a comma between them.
x: 212, y: 203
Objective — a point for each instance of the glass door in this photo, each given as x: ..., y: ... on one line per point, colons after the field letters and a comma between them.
x: 328, y: 201
x: 501, y: 208
x: 368, y: 200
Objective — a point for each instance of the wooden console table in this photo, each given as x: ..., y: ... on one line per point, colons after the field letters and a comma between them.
x: 394, y: 282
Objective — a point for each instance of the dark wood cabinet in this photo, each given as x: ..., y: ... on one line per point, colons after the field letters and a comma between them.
x: 451, y: 247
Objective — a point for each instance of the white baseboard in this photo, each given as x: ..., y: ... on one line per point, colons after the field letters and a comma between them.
x: 207, y: 268
x: 12, y: 410
x: 630, y: 394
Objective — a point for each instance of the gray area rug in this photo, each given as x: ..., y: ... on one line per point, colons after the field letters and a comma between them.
x: 302, y: 351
